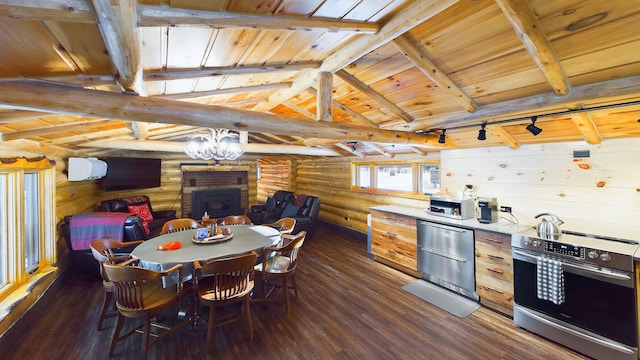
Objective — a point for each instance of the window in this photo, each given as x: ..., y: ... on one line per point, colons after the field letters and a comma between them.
x: 27, y: 221
x: 397, y: 178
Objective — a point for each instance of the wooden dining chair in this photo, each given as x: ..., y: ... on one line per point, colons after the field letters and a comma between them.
x: 277, y: 271
x: 284, y: 225
x: 221, y: 282
x: 105, y: 251
x: 139, y: 293
x: 235, y: 220
x: 181, y: 224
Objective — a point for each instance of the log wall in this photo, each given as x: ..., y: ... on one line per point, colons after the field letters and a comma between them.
x: 330, y: 180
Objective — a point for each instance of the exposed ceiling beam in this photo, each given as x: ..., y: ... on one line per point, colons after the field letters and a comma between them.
x: 50, y: 130
x: 76, y: 11
x: 179, y: 74
x: 325, y: 95
x: 380, y: 149
x: 349, y: 149
x: 299, y: 109
x: 358, y: 118
x: 45, y: 96
x: 117, y: 21
x: 104, y: 134
x: 625, y: 87
x: 586, y: 126
x: 504, y: 136
x: 177, y: 147
x: 236, y: 90
x: 408, y: 17
x: 368, y: 91
x: 18, y: 115
x: 419, y: 57
x: 526, y: 25
x: 171, y: 16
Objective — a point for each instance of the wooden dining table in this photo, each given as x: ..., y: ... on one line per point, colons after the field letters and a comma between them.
x: 245, y: 238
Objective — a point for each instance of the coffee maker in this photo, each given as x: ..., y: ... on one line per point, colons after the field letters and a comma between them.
x: 487, y: 210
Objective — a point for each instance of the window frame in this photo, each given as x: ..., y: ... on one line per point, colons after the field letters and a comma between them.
x: 12, y: 233
x: 373, y: 189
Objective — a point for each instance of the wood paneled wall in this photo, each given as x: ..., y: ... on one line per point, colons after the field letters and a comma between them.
x: 275, y: 175
x: 598, y: 194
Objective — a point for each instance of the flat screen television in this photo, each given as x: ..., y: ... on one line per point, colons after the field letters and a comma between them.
x: 131, y: 173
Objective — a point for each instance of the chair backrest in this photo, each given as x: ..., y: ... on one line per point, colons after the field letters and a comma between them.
x: 102, y: 251
x: 284, y: 225
x: 236, y: 220
x: 292, y: 248
x: 133, y: 285
x: 227, y: 276
x: 181, y: 224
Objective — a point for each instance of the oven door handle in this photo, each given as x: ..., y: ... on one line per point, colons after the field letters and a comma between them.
x: 579, y: 334
x: 444, y: 254
x: 602, y: 273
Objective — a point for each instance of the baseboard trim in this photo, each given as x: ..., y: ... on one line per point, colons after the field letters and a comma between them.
x: 358, y: 235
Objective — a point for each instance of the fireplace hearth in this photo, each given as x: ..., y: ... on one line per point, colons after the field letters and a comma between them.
x: 217, y: 203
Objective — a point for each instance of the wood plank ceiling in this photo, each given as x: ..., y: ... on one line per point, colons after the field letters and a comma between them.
x: 316, y: 77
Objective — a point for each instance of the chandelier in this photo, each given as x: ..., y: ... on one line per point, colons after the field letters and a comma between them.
x: 218, y: 144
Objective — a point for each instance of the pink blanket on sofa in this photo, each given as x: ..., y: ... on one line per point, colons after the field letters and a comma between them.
x: 86, y: 228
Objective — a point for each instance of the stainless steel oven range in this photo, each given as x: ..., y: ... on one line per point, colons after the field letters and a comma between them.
x: 578, y: 291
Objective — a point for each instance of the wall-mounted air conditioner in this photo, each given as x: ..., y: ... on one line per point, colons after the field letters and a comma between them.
x: 86, y: 169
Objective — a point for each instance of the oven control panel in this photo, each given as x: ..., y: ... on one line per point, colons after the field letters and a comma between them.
x: 564, y: 249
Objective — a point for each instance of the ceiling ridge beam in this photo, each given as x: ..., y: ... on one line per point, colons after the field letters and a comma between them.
x: 151, y: 15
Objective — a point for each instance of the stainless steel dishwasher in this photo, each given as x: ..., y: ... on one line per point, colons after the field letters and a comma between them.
x: 446, y: 257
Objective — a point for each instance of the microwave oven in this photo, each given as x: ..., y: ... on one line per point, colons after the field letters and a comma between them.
x: 460, y: 209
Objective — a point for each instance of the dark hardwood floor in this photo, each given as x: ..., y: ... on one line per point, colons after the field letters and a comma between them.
x: 349, y: 307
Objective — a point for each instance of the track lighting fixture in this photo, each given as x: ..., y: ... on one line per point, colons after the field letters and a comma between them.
x: 482, y: 133
x: 443, y: 137
x: 532, y: 128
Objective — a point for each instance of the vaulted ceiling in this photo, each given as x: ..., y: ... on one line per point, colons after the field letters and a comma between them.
x: 316, y: 77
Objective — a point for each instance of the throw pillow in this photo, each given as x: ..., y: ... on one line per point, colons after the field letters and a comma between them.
x: 271, y: 204
x: 142, y: 211
x: 290, y: 210
x: 145, y: 225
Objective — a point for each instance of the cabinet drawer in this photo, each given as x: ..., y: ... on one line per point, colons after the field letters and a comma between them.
x: 490, y: 295
x: 399, y: 249
x: 499, y: 272
x: 494, y: 255
x: 493, y: 239
x: 381, y: 217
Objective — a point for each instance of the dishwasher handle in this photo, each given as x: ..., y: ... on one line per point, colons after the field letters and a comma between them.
x: 444, y: 254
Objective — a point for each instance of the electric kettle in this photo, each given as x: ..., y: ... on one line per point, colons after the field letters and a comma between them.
x: 549, y: 229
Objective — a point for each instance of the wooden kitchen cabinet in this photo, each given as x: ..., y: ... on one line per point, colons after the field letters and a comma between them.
x: 494, y: 270
x: 394, y: 241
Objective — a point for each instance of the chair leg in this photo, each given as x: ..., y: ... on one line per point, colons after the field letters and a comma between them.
x: 294, y: 285
x: 247, y: 310
x: 146, y: 330
x: 285, y: 288
x: 108, y: 296
x: 211, y: 328
x: 116, y: 334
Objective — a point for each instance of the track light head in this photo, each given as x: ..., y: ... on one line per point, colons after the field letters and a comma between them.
x: 532, y: 128
x: 482, y: 133
x: 443, y: 137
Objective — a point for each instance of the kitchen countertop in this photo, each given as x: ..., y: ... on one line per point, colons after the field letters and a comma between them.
x: 501, y: 226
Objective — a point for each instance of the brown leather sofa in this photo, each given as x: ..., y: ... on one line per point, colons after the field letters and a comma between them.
x: 122, y: 205
x: 82, y: 260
